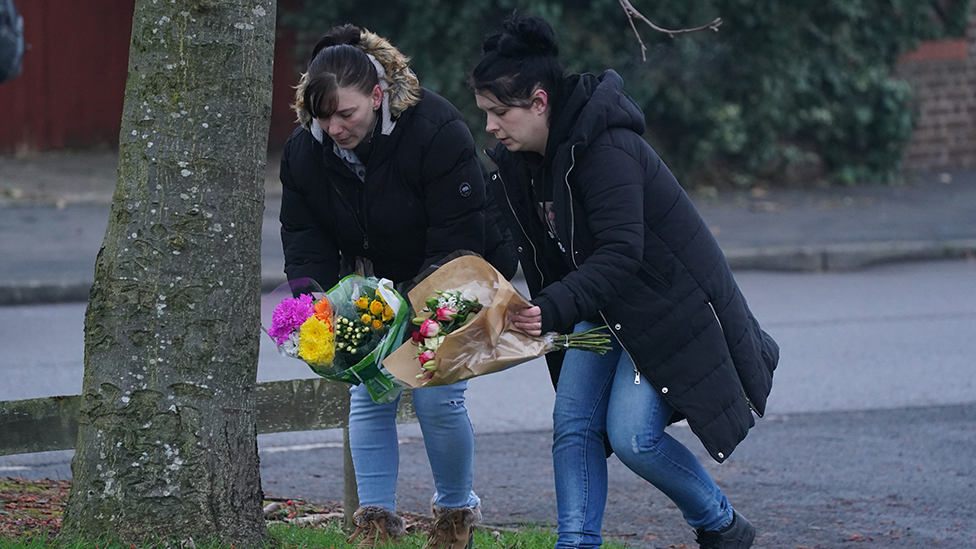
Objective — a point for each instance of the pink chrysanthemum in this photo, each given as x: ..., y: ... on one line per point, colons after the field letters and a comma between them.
x: 289, y: 316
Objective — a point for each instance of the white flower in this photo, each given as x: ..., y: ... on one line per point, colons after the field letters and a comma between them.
x: 447, y: 300
x: 290, y: 347
x: 432, y: 343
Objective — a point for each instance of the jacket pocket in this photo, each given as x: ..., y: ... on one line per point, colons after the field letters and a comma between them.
x: 653, y: 279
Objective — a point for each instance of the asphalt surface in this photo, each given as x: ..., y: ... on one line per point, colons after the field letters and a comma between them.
x: 829, y: 477
x: 896, y: 479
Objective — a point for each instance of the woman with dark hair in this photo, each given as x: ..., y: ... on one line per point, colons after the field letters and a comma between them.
x: 606, y: 236
x: 383, y: 170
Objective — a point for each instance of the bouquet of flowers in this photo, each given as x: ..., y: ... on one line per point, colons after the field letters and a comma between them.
x: 343, y: 334
x: 465, y: 329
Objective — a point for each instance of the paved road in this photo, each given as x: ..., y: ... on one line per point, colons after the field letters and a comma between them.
x: 870, y: 434
x: 842, y: 334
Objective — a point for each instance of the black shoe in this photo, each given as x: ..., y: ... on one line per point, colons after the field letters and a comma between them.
x: 739, y: 534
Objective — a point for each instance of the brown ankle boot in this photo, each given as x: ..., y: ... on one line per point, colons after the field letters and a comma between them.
x: 453, y: 527
x: 376, y: 526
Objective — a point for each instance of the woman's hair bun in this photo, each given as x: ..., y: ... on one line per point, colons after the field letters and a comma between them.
x: 347, y: 34
x: 522, y: 37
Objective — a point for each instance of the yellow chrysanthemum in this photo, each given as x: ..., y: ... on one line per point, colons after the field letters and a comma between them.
x: 362, y: 302
x: 376, y: 308
x: 366, y: 319
x: 315, y: 342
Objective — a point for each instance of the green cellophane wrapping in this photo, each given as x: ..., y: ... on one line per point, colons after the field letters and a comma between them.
x: 369, y: 369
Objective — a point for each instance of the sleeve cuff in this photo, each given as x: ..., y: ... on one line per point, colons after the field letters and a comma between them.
x: 549, y: 313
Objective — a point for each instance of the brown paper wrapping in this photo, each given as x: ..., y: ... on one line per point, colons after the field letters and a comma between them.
x: 489, y: 343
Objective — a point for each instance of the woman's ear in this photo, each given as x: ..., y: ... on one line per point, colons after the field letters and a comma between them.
x: 540, y: 101
x: 377, y: 96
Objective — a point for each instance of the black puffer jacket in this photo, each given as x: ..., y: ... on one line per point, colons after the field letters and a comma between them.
x: 639, y: 255
x: 424, y: 197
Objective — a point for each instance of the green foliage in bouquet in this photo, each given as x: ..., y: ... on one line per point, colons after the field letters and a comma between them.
x: 366, y: 330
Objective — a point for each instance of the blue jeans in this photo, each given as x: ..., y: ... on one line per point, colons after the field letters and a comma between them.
x: 448, y: 437
x: 596, y: 396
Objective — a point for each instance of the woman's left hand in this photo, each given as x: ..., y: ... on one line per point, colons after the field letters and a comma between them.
x: 529, y: 321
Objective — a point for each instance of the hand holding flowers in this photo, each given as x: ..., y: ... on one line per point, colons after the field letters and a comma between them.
x: 529, y: 320
x: 470, y: 330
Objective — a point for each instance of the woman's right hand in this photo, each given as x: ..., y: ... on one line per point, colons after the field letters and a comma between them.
x: 529, y: 320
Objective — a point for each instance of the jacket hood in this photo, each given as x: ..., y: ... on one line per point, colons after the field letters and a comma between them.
x: 401, y: 89
x: 594, y: 105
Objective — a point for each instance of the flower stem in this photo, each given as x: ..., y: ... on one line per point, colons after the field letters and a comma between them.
x: 594, y: 340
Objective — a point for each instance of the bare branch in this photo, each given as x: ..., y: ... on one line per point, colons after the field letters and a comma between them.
x: 632, y: 12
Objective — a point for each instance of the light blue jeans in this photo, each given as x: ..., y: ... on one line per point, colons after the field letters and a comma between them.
x: 448, y: 437
x: 596, y: 396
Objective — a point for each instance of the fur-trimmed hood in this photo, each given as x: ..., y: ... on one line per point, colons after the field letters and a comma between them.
x: 401, y: 89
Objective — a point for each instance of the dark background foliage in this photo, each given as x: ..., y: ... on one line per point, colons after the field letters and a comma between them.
x: 786, y: 91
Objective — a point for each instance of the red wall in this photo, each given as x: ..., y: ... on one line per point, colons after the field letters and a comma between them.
x: 287, y: 71
x: 70, y: 92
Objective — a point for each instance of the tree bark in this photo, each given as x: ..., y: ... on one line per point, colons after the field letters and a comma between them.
x: 167, y: 443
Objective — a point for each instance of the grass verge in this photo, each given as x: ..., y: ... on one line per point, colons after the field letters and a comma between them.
x: 30, y: 518
x: 328, y: 535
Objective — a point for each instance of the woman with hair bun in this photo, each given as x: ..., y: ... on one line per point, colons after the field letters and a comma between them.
x: 607, y: 237
x: 383, y: 170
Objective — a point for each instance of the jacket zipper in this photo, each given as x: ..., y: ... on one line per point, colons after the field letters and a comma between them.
x: 508, y: 200
x: 572, y: 255
x: 365, y: 226
x: 572, y: 213
x: 741, y: 387
x: 359, y: 224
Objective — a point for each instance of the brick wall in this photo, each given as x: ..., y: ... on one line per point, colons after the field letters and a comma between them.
x: 943, y: 75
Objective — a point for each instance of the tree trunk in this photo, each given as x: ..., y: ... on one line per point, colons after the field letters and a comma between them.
x: 167, y: 443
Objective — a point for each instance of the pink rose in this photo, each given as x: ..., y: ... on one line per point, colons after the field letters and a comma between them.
x: 429, y: 328
x: 426, y: 357
x: 446, y: 313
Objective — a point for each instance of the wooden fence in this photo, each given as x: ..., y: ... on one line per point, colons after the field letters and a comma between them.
x: 51, y: 423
